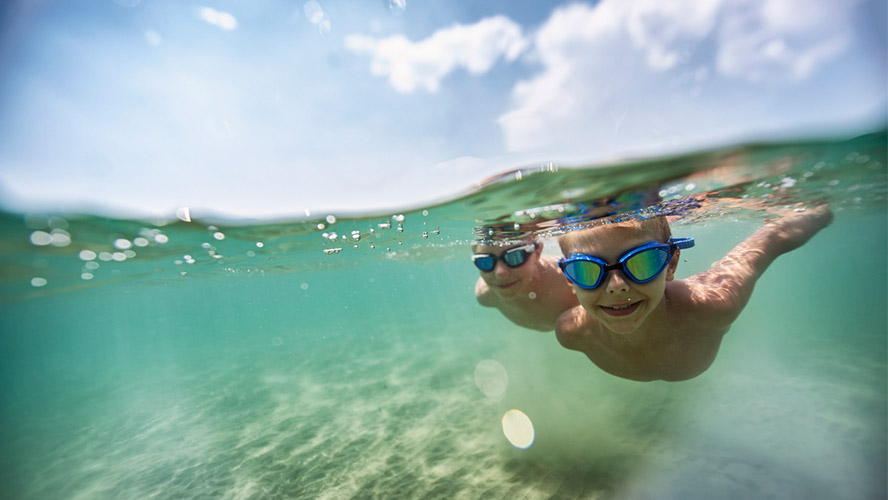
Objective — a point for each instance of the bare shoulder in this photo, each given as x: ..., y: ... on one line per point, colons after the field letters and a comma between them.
x: 571, y: 327
x: 483, y: 294
x: 704, y: 301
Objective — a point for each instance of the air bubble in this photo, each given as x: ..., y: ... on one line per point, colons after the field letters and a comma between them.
x: 384, y: 225
x: 118, y: 256
x: 219, y: 235
x: 184, y: 214
x: 36, y: 221
x: 86, y: 276
x: 105, y: 256
x: 41, y: 238
x: 304, y: 286
x: 60, y: 238
x: 532, y: 295
x: 331, y: 219
x: 37, y: 282
x: 331, y: 251
x: 87, y: 255
x: 321, y: 226
x: 122, y: 244
x: 398, y: 218
x: 356, y: 235
x: 425, y: 234
x: 91, y: 265
x: 161, y: 238
x: 251, y: 253
x: 259, y: 244
x: 425, y: 213
x: 140, y: 242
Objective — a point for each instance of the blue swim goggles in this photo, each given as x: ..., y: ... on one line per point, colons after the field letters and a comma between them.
x: 641, y: 264
x: 513, y: 257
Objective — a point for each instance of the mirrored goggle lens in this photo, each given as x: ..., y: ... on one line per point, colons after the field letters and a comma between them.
x: 515, y: 258
x: 484, y: 262
x: 583, y: 273
x: 646, y: 265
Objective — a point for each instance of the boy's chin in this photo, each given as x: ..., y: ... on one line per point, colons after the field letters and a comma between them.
x: 621, y: 322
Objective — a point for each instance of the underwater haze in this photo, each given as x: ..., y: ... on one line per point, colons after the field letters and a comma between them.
x: 344, y: 355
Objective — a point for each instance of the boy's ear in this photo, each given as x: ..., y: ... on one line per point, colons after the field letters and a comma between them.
x: 673, y: 264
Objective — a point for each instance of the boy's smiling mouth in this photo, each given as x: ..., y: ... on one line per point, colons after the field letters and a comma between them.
x: 620, y: 310
x: 505, y: 285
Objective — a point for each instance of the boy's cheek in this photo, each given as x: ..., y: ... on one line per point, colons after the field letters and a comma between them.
x: 586, y: 298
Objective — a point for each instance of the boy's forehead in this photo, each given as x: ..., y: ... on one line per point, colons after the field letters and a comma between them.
x: 609, y: 235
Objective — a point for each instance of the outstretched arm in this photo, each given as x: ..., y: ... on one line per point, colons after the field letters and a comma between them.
x: 727, y: 286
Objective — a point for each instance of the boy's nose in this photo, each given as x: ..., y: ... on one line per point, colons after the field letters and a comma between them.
x: 501, y: 268
x: 616, y: 282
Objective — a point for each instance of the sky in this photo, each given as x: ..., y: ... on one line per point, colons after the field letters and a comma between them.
x: 269, y: 108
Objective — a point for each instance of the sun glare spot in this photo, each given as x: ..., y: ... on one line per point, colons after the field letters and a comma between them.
x: 518, y: 429
x: 491, y: 378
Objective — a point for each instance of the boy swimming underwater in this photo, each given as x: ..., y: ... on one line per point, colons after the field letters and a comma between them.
x: 636, y: 321
x: 524, y: 286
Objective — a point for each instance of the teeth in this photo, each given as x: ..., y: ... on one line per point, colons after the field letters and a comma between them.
x: 620, y: 308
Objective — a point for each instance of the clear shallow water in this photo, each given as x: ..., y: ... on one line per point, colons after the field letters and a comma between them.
x: 282, y: 371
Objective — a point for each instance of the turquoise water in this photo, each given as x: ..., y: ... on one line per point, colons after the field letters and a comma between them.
x: 265, y: 359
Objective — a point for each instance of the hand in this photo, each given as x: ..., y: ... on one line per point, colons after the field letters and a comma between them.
x: 797, y: 227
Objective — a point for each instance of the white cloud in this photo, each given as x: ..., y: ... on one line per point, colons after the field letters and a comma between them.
x: 780, y: 40
x: 218, y: 18
x: 625, y: 71
x: 411, y: 65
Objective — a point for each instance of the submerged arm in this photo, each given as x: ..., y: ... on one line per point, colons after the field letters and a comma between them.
x: 728, y: 285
